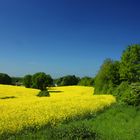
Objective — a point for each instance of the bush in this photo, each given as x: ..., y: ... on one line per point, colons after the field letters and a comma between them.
x: 128, y: 93
x: 132, y: 96
x: 123, y: 88
x: 5, y: 79
x: 43, y: 93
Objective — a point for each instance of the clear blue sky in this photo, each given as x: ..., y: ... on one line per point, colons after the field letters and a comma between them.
x: 63, y: 37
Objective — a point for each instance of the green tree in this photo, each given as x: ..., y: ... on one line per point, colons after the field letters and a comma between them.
x: 39, y: 81
x: 130, y: 64
x: 86, y: 81
x: 5, y: 79
x: 69, y: 80
x: 49, y: 80
x: 27, y: 81
x: 107, y: 77
x: 17, y: 80
x: 58, y: 81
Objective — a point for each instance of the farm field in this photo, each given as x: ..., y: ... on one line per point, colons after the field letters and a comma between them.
x: 21, y: 109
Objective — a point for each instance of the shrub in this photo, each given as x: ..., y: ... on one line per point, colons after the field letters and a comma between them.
x: 43, y: 93
x: 123, y: 88
x: 5, y: 79
x: 132, y: 96
x: 128, y: 93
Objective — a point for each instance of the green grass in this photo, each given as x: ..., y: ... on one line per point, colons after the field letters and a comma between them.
x: 119, y: 122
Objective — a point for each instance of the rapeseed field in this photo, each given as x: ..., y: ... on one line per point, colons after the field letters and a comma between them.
x: 20, y: 108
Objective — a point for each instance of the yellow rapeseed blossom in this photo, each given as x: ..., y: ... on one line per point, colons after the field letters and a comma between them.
x: 25, y: 109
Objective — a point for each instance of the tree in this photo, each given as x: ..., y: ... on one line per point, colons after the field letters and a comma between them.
x: 58, y: 81
x: 69, y: 80
x: 27, y: 81
x: 49, y: 80
x: 86, y: 81
x: 39, y: 81
x: 107, y: 77
x: 5, y: 79
x: 17, y: 80
x: 130, y: 64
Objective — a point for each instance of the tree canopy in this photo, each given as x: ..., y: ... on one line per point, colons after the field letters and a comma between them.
x: 67, y: 80
x: 121, y: 79
x: 107, y: 76
x: 130, y: 64
x: 86, y: 81
x: 5, y: 79
x: 39, y: 81
x: 27, y: 81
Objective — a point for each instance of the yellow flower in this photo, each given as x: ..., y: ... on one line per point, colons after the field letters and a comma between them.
x: 25, y: 109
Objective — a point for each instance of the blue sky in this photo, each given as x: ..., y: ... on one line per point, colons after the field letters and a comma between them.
x: 63, y: 37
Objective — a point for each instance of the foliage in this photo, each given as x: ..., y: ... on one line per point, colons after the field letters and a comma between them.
x: 67, y: 80
x: 5, y: 79
x: 39, y: 81
x: 49, y: 81
x: 119, y: 78
x: 132, y: 95
x: 58, y: 81
x: 43, y: 93
x: 123, y: 88
x: 107, y: 77
x: 128, y: 93
x: 86, y: 81
x: 130, y: 64
x: 17, y: 81
x: 27, y: 81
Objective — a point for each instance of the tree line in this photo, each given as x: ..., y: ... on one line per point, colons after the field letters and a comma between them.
x: 30, y: 81
x: 41, y: 81
x: 121, y: 78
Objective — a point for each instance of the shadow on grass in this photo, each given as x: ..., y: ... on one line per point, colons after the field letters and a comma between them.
x: 7, y: 97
